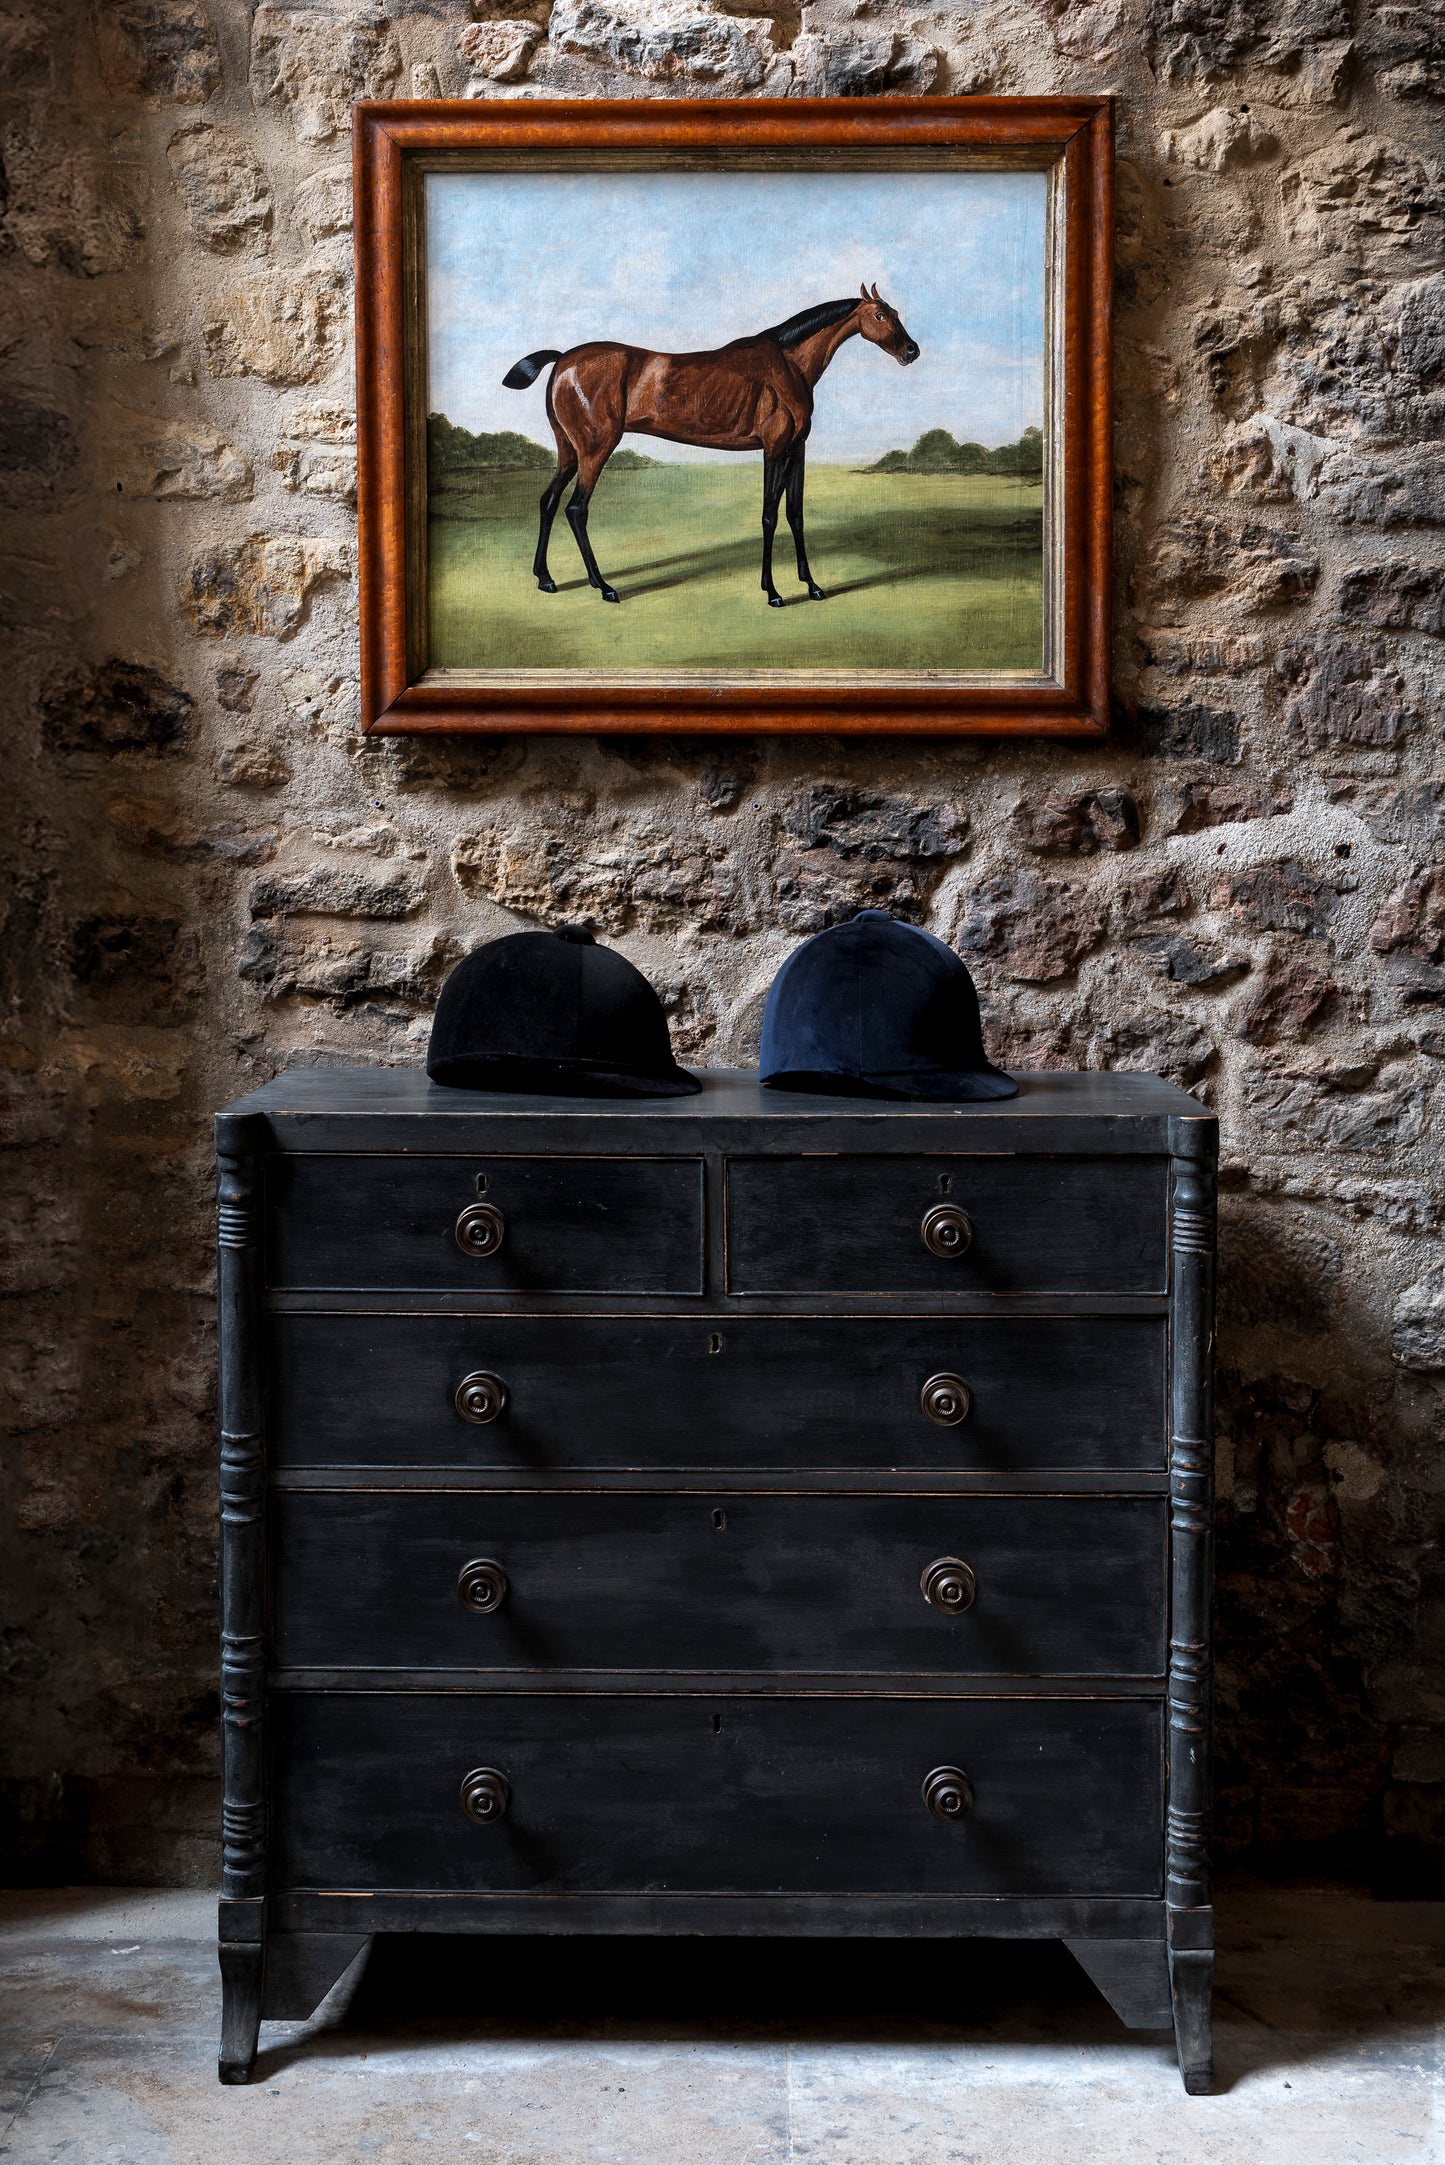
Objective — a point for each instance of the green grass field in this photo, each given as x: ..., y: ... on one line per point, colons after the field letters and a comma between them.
x: 922, y: 571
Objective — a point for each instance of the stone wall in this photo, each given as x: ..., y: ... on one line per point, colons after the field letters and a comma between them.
x: 213, y: 876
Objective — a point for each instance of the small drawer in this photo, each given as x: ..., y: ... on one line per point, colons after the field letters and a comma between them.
x: 954, y: 1224
x: 1024, y: 1586
x: 552, y: 1393
x: 486, y: 1225
x: 715, y: 1796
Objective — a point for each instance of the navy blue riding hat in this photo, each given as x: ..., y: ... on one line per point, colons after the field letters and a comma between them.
x: 877, y: 1008
x: 555, y: 1014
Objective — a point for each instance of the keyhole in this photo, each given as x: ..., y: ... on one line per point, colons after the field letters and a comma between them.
x: 720, y: 1519
x: 945, y: 1183
x: 482, y: 1183
x: 715, y: 1343
x: 717, y: 1725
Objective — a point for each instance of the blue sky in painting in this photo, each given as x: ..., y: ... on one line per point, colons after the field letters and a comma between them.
x: 685, y: 261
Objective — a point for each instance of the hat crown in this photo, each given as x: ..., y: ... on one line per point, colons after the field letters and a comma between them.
x: 879, y: 1007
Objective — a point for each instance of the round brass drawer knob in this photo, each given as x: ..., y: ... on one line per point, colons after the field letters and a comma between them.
x: 481, y: 1397
x: 948, y: 1793
x: 485, y: 1795
x: 946, y: 1231
x: 947, y: 1400
x: 480, y: 1229
x: 482, y: 1586
x: 949, y: 1585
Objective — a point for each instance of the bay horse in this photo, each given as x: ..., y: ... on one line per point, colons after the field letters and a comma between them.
x: 755, y: 394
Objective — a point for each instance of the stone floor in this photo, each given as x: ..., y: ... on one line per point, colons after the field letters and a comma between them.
x: 1329, y: 2034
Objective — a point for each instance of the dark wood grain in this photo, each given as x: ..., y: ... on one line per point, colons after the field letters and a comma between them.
x: 1069, y: 1585
x: 853, y: 1224
x: 1072, y: 137
x: 599, y: 1392
x: 574, y: 1224
x: 651, y: 1794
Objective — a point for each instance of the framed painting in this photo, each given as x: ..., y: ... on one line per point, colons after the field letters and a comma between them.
x: 735, y: 415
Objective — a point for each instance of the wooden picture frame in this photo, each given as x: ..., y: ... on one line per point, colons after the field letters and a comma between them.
x: 396, y: 145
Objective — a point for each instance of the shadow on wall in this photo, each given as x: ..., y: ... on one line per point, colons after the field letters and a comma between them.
x: 1325, y: 1572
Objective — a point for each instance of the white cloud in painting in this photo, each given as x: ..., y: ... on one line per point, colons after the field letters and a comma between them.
x: 681, y: 262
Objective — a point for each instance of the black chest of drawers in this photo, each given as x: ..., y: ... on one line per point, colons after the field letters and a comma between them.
x: 746, y: 1513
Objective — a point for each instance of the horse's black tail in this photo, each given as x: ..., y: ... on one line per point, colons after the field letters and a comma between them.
x: 527, y: 370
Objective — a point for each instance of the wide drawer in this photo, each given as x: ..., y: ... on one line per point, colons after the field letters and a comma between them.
x: 563, y: 1225
x: 716, y: 1796
x: 620, y: 1392
x: 1064, y: 1585
x: 863, y: 1225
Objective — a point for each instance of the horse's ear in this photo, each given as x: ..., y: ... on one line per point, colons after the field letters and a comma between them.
x: 863, y: 289
x: 877, y: 297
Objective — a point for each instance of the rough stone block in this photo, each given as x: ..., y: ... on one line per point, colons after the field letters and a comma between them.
x: 1219, y: 141
x: 1281, y: 897
x: 1190, y: 806
x: 114, y: 706
x: 1411, y: 929
x: 252, y: 766
x: 285, y: 328
x: 163, y: 52
x: 331, y: 891
x: 262, y: 584
x: 1034, y: 929
x: 1341, y: 691
x: 1396, y: 596
x: 1417, y: 1326
x: 843, y: 64
x: 1361, y: 197
x: 499, y: 52
x: 665, y: 39
x: 180, y: 461
x: 1186, y: 962
x: 1405, y: 49
x: 226, y: 193
x: 38, y: 456
x: 78, y: 208
x: 1264, y: 567
x: 1290, y: 999
x: 1386, y: 491
x: 1077, y: 824
x: 315, y: 64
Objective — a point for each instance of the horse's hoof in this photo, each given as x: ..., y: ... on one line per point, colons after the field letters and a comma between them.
x: 815, y: 593
x: 610, y: 593
x: 775, y: 601
x: 546, y: 586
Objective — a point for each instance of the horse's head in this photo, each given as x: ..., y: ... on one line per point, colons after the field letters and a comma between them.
x: 882, y: 326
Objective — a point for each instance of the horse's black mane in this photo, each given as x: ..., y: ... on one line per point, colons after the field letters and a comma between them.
x: 820, y: 317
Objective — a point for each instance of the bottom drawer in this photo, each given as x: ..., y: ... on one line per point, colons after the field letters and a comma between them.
x: 662, y: 1795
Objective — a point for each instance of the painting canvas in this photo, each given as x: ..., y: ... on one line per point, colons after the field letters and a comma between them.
x: 790, y: 423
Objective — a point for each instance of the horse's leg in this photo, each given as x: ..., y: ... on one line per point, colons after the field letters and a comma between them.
x: 774, y: 475
x: 551, y: 497
x: 795, y: 520
x: 588, y: 471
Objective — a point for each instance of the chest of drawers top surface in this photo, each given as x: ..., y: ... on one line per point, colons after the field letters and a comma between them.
x: 390, y: 1109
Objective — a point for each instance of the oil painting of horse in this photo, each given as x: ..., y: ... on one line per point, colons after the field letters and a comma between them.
x: 588, y: 350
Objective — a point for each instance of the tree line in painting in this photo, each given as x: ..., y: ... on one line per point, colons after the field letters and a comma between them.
x: 456, y: 456
x: 936, y: 452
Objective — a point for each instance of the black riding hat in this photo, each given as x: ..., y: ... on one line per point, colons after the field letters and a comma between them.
x: 877, y: 1008
x: 555, y: 1014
